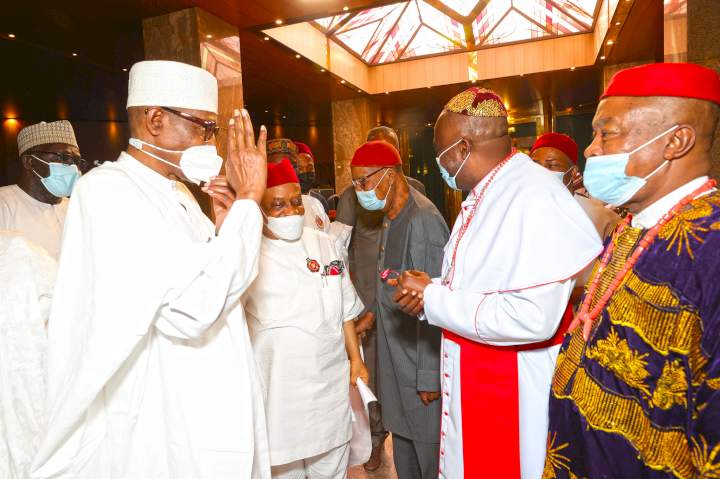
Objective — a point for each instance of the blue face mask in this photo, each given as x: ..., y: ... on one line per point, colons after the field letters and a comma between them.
x: 369, y: 199
x: 605, y: 177
x: 61, y: 180
x: 450, y: 180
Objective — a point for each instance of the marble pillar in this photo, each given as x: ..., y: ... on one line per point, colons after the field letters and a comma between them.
x: 196, y: 37
x: 351, y: 121
x: 703, y: 47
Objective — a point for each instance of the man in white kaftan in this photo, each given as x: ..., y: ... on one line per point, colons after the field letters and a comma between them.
x: 150, y: 368
x: 502, y: 299
x: 300, y: 313
x: 35, y: 207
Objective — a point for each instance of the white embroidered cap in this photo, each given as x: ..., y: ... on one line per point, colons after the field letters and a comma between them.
x: 172, y: 84
x: 45, y: 133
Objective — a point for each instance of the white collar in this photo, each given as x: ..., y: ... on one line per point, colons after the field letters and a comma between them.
x: 649, y: 217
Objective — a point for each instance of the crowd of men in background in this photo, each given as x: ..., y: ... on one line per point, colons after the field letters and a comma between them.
x: 567, y: 325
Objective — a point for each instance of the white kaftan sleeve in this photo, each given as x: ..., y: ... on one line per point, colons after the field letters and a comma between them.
x: 190, y: 309
x: 501, y: 319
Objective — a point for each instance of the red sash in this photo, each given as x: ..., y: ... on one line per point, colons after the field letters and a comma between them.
x: 490, y: 404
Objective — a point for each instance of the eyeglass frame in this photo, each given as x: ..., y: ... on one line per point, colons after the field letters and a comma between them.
x: 360, y: 182
x: 66, y: 158
x: 210, y: 127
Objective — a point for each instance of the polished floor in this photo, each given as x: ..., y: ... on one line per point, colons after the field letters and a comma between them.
x: 386, y: 471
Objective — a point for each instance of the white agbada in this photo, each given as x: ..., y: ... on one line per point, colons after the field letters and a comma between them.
x: 296, y: 318
x: 512, y: 281
x: 151, y: 372
x: 27, y: 276
x: 40, y: 223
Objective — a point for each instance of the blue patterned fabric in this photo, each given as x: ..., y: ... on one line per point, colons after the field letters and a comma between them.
x: 641, y: 399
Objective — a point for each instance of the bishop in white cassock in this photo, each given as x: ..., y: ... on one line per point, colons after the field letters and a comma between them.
x: 502, y: 300
x: 151, y: 373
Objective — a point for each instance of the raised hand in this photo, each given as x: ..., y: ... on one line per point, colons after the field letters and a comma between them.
x: 246, y: 166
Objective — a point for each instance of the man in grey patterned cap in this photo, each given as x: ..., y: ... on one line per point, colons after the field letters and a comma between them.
x: 35, y: 207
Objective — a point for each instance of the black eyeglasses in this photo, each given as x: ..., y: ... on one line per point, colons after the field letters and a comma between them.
x: 360, y: 182
x: 210, y: 127
x: 66, y: 158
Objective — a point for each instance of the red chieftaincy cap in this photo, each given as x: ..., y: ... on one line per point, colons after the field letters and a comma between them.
x: 281, y: 173
x: 558, y: 141
x: 683, y: 80
x: 376, y: 153
x: 303, y: 148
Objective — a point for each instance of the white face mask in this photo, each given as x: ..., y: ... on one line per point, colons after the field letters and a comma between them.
x: 198, y: 163
x: 288, y: 228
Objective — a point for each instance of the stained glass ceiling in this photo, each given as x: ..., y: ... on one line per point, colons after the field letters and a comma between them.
x: 418, y: 28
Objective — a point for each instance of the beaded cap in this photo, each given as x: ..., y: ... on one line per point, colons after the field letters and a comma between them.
x: 477, y: 102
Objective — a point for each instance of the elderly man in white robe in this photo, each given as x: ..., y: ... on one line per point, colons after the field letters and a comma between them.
x: 151, y: 372
x: 502, y: 299
x: 300, y: 312
x: 35, y: 207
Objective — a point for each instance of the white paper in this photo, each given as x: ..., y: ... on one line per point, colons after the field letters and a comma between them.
x: 365, y: 393
x: 360, y: 442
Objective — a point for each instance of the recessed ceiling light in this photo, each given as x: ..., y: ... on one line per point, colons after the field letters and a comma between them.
x: 322, y: 70
x: 267, y: 111
x: 11, y: 35
x: 617, y: 24
x: 359, y: 91
x: 602, y: 57
x: 284, y: 117
x: 610, y: 42
x: 345, y: 8
x: 297, y: 56
x: 572, y: 69
x: 278, y: 22
x: 342, y: 81
x: 208, y: 36
x: 266, y: 38
x: 74, y: 54
x: 124, y: 69
x: 387, y: 92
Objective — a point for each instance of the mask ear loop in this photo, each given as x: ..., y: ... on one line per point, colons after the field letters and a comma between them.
x: 654, y: 139
x: 462, y: 165
x: 647, y: 177
x: 40, y: 160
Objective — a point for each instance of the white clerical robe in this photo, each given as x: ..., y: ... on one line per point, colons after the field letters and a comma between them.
x: 500, y: 310
x: 27, y: 277
x: 151, y: 372
x: 40, y: 223
x: 296, y: 313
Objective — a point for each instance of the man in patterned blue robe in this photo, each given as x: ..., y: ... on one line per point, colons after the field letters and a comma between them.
x: 636, y: 391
